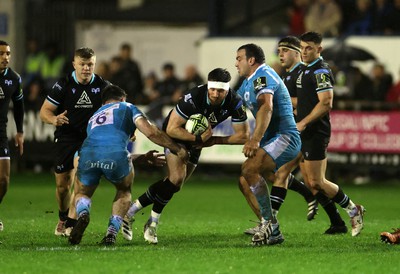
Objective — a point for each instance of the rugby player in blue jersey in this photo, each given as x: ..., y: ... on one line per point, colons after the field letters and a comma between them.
x: 104, y: 153
x: 275, y: 142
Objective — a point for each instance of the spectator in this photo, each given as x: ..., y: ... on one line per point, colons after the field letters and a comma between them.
x: 131, y: 74
x: 296, y: 14
x: 325, y: 17
x: 150, y: 82
x: 341, y: 87
x: 347, y: 8
x: 393, y: 95
x: 115, y: 72
x: 120, y: 76
x: 381, y: 83
x: 33, y: 95
x: 192, y: 79
x: 359, y: 83
x: 380, y: 12
x: 103, y: 70
x: 392, y: 20
x: 169, y: 87
x: 33, y: 62
x: 167, y: 92
x: 53, y: 65
x: 361, y: 21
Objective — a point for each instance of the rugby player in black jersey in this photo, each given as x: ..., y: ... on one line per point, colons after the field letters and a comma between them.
x: 217, y: 102
x: 10, y: 90
x: 68, y: 106
x: 314, y: 87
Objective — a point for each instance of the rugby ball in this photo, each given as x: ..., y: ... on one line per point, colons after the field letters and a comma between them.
x: 196, y: 124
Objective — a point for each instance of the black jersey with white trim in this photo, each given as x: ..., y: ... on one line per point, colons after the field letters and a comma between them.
x: 314, y: 78
x: 196, y: 101
x: 11, y: 90
x: 80, y: 101
x: 290, y: 77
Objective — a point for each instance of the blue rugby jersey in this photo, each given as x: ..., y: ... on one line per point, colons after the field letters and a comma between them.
x: 112, y: 125
x: 266, y: 80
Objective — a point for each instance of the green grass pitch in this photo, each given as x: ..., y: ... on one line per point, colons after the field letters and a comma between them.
x: 201, y: 231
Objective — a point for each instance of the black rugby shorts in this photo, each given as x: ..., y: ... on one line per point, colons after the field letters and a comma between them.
x: 4, y: 149
x: 314, y: 148
x: 64, y: 155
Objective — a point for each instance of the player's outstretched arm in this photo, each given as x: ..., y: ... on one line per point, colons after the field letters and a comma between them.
x: 152, y: 157
x: 240, y: 136
x: 160, y: 138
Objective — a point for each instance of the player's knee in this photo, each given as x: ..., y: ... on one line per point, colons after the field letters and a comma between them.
x: 64, y: 183
x: 249, y: 170
x: 125, y: 196
x: 280, y: 179
x: 243, y: 185
x: 177, y: 181
x: 245, y: 169
x: 314, y: 185
x: 62, y: 189
x: 4, y: 180
x: 3, y: 189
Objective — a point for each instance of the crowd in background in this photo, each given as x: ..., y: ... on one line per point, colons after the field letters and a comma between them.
x: 43, y: 68
x: 44, y: 62
x: 342, y: 18
x: 332, y: 18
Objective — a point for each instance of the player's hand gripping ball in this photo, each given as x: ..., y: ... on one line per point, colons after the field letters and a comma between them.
x: 196, y: 124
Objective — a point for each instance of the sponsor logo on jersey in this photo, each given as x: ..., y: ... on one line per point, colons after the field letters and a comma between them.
x: 246, y: 97
x: 187, y: 97
x: 323, y: 81
x: 8, y: 82
x: 84, y: 101
x: 224, y: 112
x: 298, y: 81
x: 103, y: 164
x: 212, y: 118
x: 2, y: 96
x: 260, y: 83
x: 57, y: 86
